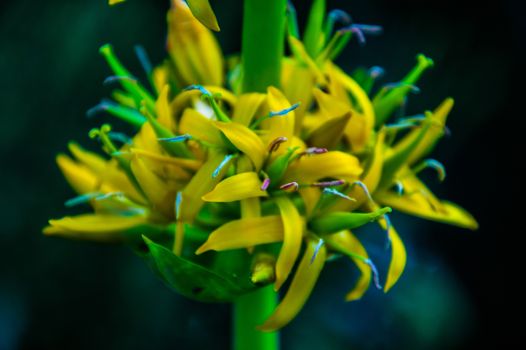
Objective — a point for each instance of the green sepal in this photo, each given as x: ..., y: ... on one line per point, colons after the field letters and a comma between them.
x: 386, y: 102
x: 313, y: 38
x: 190, y: 279
x: 202, y: 10
x: 337, y: 221
x: 277, y: 168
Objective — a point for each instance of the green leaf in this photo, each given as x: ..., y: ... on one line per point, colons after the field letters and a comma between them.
x: 190, y: 279
x: 202, y: 10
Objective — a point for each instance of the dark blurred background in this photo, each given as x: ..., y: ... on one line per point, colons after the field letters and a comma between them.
x: 460, y: 290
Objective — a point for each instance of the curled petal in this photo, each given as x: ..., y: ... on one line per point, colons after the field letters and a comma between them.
x: 243, y: 233
x: 237, y: 187
x: 300, y: 288
x: 292, y: 235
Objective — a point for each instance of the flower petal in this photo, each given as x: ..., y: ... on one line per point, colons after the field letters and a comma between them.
x: 82, y: 179
x: 244, y: 140
x: 243, y: 233
x: 195, y: 124
x: 162, y: 107
x: 347, y: 243
x: 292, y: 235
x: 279, y: 126
x: 418, y: 200
x: 235, y: 188
x: 202, y: 10
x: 95, y: 227
x: 300, y: 288
x: 247, y: 107
x: 333, y: 164
x: 398, y: 256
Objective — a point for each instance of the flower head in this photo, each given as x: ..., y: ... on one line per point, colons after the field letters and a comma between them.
x: 282, y: 177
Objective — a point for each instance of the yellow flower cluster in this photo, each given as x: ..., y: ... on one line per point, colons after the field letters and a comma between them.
x: 299, y: 166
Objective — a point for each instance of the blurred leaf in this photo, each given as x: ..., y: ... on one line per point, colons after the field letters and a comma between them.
x: 189, y: 279
x: 202, y: 10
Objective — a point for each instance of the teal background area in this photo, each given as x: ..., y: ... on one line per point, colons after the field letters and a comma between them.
x: 460, y: 288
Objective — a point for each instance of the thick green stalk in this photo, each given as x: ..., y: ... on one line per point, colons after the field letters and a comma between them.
x: 250, y: 311
x: 262, y: 43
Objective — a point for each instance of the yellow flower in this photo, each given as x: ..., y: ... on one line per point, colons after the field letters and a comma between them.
x: 286, y: 174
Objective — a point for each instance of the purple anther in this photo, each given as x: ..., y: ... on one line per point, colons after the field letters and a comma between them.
x: 274, y: 145
x: 314, y: 150
x: 291, y: 185
x: 328, y: 183
x: 265, y: 184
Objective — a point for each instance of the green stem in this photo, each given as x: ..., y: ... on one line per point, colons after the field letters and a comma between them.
x: 262, y: 43
x: 250, y: 311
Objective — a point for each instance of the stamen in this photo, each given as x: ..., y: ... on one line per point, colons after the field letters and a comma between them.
x: 265, y: 184
x: 337, y: 193
x: 376, y: 72
x: 121, y: 137
x: 414, y: 89
x: 284, y: 111
x: 127, y: 114
x: 84, y: 198
x: 274, y: 145
x: 142, y: 55
x: 221, y: 165
x: 118, y: 78
x: 406, y: 123
x: 221, y: 116
x: 399, y: 187
x: 374, y: 270
x: 109, y: 195
x: 312, y: 150
x: 179, y: 138
x: 364, y: 188
x: 178, y: 201
x: 447, y: 131
x: 321, y: 242
x: 361, y: 30
x: 291, y: 185
x: 328, y: 183
x: 341, y: 16
x: 387, y: 229
x: 434, y: 164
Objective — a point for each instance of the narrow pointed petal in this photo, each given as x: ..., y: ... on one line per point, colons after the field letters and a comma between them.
x: 292, y: 236
x: 418, y: 200
x: 279, y: 126
x: 247, y: 108
x: 431, y: 137
x: 243, y: 233
x: 202, y: 10
x: 374, y: 171
x: 398, y: 256
x: 153, y: 187
x: 347, y: 243
x: 201, y: 128
x: 235, y: 188
x: 329, y: 133
x: 244, y: 140
x: 310, y: 196
x: 301, y: 54
x: 300, y: 289
x: 79, y: 177
x: 335, y: 164
x: 164, y: 113
x: 94, y: 227
x: 202, y: 182
x: 337, y: 221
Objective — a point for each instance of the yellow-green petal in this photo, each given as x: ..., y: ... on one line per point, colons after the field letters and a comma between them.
x: 398, y: 256
x: 244, y: 140
x: 292, y: 235
x: 202, y: 10
x: 235, y: 188
x: 244, y: 233
x: 95, y: 227
x: 247, y: 107
x: 347, y: 243
x: 334, y: 164
x: 300, y: 288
